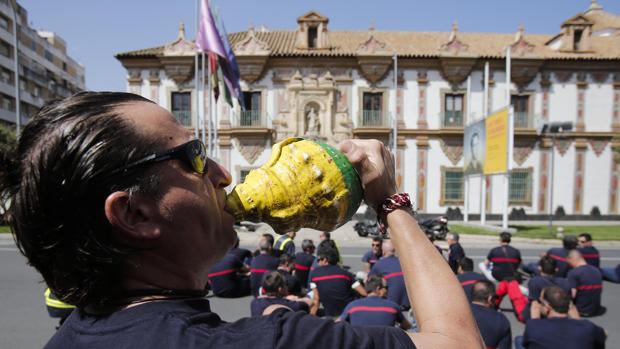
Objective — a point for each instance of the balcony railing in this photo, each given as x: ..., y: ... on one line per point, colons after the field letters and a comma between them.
x: 523, y: 120
x: 373, y: 118
x: 184, y: 117
x: 452, y: 119
x: 250, y: 118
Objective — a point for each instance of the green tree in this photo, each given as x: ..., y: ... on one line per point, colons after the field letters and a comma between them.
x: 8, y: 143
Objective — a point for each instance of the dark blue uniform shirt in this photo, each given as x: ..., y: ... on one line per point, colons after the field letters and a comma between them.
x: 455, y: 253
x: 292, y: 283
x: 370, y: 258
x: 389, y: 269
x: 588, y: 282
x: 223, y: 277
x: 506, y: 260
x: 563, y: 333
x: 334, y: 285
x: 372, y: 311
x: 591, y: 255
x: 467, y: 280
x: 242, y: 254
x: 259, y: 305
x: 559, y: 254
x: 190, y: 324
x: 494, y: 327
x: 537, y: 283
x: 260, y: 265
x: 303, y: 263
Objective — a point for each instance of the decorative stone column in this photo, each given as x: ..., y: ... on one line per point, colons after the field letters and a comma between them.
x: 582, y: 85
x: 545, y: 148
x: 615, y: 121
x: 422, y: 155
x: 422, y: 85
x: 614, y: 187
x: 581, y: 145
x: 154, y: 82
x: 135, y: 81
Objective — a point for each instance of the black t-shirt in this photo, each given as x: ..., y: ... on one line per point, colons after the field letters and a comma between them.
x: 190, y: 324
x: 591, y: 255
x: 467, y: 280
x: 334, y: 285
x: 370, y: 257
x: 223, y: 275
x: 494, y: 327
x: 588, y: 282
x: 259, y: 305
x: 559, y: 254
x: 389, y: 269
x: 537, y: 283
x: 303, y: 263
x: 563, y: 333
x: 455, y: 254
x: 506, y: 260
x: 245, y: 256
x: 260, y: 265
x: 372, y: 311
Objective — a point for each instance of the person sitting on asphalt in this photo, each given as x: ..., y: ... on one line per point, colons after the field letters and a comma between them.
x: 552, y: 326
x: 331, y: 285
x: 455, y: 251
x: 494, y: 326
x: 467, y: 276
x: 270, y: 239
x: 586, y: 283
x: 286, y: 267
x: 261, y: 264
x: 588, y: 251
x: 326, y: 239
x: 118, y: 207
x: 389, y: 268
x: 373, y: 255
x: 242, y: 254
x: 545, y: 278
x: 375, y: 309
x: 504, y: 260
x: 560, y: 254
x: 304, y: 261
x: 229, y: 278
x: 611, y: 274
x: 274, y: 287
x: 285, y: 244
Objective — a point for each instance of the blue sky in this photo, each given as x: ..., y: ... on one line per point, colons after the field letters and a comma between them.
x: 95, y: 30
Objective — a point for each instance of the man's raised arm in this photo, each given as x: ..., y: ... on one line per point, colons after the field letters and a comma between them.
x: 441, y: 308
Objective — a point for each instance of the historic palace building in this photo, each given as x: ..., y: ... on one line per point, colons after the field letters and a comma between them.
x: 335, y: 85
x: 45, y: 70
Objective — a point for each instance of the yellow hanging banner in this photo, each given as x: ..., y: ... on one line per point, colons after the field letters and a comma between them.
x: 496, y: 154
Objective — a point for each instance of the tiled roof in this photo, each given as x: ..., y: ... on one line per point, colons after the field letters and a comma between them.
x: 281, y: 43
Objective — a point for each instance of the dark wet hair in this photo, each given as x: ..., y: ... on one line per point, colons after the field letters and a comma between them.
x: 57, y: 192
x: 329, y: 253
x: 547, y: 265
x: 482, y: 290
x: 467, y: 264
x: 558, y: 299
x: 373, y: 283
x: 505, y: 237
x: 569, y: 242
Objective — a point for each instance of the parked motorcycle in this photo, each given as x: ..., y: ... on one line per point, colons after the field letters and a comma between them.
x: 437, y: 227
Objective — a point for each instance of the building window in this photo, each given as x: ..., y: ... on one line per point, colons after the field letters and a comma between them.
x: 451, y: 185
x: 251, y: 116
x: 312, y: 37
x: 4, y: 23
x: 5, y: 76
x: 520, y: 191
x: 8, y: 103
x: 49, y: 56
x: 64, y: 66
x: 33, y: 45
x: 577, y: 35
x: 243, y: 173
x: 182, y: 107
x: 372, y: 109
x: 453, y: 110
x: 521, y: 108
x: 6, y: 49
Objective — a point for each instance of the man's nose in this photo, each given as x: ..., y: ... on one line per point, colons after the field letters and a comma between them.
x: 218, y: 175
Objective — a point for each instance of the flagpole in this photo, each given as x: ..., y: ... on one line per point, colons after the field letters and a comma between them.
x: 509, y: 157
x: 202, y: 94
x: 483, y: 178
x: 465, y: 176
x: 215, y: 126
x: 197, y: 102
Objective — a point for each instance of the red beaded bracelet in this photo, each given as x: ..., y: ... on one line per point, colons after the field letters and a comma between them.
x: 394, y: 202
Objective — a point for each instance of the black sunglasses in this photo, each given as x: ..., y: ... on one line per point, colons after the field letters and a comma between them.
x: 192, y: 153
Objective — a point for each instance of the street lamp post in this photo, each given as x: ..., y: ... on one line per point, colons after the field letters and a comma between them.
x: 18, y: 120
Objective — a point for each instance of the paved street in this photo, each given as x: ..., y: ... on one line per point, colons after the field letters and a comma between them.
x: 24, y: 322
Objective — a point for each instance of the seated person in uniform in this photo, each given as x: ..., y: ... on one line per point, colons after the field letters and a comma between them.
x: 229, y: 278
x: 245, y: 256
x: 375, y: 309
x: 374, y: 254
x: 586, y: 284
x: 304, y: 261
x: 552, y: 326
x: 494, y: 326
x: 261, y: 264
x: 455, y: 251
x: 545, y: 278
x: 569, y: 243
x: 285, y: 244
x: 467, y: 276
x: 588, y: 251
x: 287, y: 263
x: 120, y: 210
x: 504, y: 260
x: 274, y: 286
x: 611, y: 274
x: 389, y: 268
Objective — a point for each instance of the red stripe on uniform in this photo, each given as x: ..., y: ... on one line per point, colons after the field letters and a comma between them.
x: 259, y: 270
x: 590, y: 255
x: 391, y: 275
x: 558, y: 258
x: 468, y: 282
x: 301, y: 267
x: 589, y: 287
x: 504, y: 260
x: 330, y: 277
x: 377, y: 309
x: 223, y: 272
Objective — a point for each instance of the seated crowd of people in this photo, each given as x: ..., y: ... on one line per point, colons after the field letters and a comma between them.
x: 550, y: 296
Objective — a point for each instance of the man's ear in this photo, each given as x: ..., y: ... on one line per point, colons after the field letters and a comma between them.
x: 132, y: 216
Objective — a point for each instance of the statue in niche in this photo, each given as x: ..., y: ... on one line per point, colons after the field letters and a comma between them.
x: 312, y: 120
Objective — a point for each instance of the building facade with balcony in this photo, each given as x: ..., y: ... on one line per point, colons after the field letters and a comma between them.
x: 46, y: 71
x: 332, y: 85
